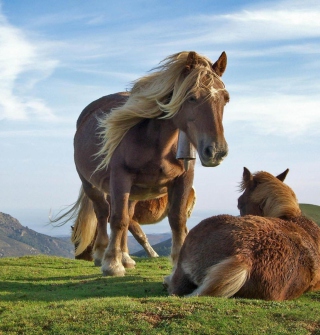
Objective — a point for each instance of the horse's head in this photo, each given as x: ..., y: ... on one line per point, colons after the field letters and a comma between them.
x: 266, y: 195
x: 203, y: 97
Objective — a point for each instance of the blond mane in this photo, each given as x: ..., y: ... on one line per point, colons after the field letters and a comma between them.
x: 275, y: 197
x: 160, y: 93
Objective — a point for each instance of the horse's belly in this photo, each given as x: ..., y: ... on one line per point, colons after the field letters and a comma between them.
x: 143, y: 192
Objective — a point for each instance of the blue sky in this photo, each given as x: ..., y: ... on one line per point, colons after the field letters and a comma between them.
x: 58, y: 56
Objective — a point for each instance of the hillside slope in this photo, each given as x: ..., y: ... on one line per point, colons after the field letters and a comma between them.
x: 311, y: 211
x: 16, y: 240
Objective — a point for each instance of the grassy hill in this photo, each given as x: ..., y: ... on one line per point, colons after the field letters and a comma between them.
x: 311, y: 211
x: 53, y: 295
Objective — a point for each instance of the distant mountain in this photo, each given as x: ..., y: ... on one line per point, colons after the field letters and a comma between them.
x: 162, y: 249
x: 16, y: 240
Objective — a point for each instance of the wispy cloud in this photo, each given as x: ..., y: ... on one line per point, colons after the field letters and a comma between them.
x: 22, y: 65
x: 282, y: 115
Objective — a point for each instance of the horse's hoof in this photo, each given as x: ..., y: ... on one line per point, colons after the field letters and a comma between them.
x: 127, y: 261
x: 115, y: 270
x: 129, y: 265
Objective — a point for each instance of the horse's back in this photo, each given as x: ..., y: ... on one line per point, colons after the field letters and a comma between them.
x: 103, y: 104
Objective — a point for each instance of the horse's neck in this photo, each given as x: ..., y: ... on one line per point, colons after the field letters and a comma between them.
x: 161, y: 131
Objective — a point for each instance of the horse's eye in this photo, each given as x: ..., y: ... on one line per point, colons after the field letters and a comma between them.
x: 192, y: 99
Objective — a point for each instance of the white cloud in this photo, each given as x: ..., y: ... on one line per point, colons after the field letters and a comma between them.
x: 278, y: 114
x: 22, y: 65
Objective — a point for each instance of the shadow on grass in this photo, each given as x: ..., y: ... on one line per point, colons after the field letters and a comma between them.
x: 42, y: 287
x: 84, y: 287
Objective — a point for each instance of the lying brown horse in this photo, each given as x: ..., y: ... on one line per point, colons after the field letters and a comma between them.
x: 145, y: 212
x: 273, y: 255
x: 126, y: 144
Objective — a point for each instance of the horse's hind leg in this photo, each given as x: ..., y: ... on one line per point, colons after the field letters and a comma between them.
x: 102, y: 239
x: 102, y: 211
x: 140, y: 236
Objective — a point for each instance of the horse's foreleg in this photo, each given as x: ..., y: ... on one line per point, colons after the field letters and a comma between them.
x: 140, y: 236
x: 119, y: 222
x: 127, y: 261
x: 178, y: 212
x: 179, y: 233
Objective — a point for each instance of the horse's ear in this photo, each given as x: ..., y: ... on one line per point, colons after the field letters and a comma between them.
x: 220, y: 65
x: 247, y: 176
x: 192, y: 61
x: 282, y: 176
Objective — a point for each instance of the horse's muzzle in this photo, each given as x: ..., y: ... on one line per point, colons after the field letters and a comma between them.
x: 211, y: 157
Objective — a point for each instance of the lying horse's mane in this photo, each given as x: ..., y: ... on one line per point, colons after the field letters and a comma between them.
x: 159, y: 93
x: 275, y: 198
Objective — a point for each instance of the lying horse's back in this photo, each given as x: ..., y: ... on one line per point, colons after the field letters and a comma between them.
x: 273, y: 259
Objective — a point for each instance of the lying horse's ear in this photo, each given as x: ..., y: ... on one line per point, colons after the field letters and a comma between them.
x: 220, y: 65
x: 247, y: 178
x: 192, y: 61
x: 282, y: 176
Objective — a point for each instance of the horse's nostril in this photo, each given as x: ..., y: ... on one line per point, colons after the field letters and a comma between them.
x: 209, y: 151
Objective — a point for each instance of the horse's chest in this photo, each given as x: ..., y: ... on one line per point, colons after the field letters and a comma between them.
x: 153, y: 180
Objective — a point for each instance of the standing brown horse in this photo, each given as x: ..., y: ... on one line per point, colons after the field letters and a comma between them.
x: 145, y: 212
x: 274, y: 257
x: 126, y: 144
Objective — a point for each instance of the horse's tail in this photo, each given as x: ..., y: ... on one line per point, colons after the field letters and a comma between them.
x: 225, y: 278
x: 85, y: 225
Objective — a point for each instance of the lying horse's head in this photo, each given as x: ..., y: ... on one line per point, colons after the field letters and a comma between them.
x: 266, y: 195
x: 203, y: 96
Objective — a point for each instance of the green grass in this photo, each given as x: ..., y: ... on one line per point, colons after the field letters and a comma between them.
x: 52, y: 295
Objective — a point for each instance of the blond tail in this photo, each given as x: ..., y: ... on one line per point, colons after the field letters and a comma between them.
x: 225, y: 278
x: 85, y: 224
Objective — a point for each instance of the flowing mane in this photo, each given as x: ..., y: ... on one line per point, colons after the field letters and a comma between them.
x: 158, y: 94
x: 276, y: 198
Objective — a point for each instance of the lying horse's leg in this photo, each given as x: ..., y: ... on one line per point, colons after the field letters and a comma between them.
x: 140, y: 236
